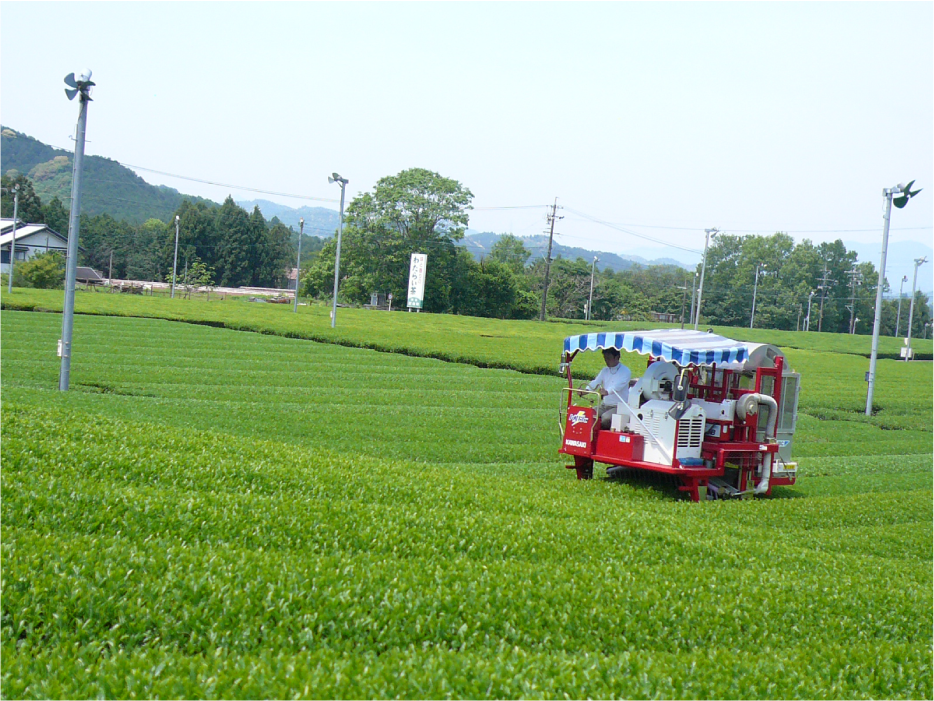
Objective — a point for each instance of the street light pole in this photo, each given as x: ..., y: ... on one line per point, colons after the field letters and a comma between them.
x: 175, y: 259
x: 13, y: 240
x: 755, y: 289
x: 898, y: 317
x: 298, y: 263
x: 335, y: 178
x: 590, y: 299
x: 80, y: 86
x: 711, y: 233
x: 911, y: 307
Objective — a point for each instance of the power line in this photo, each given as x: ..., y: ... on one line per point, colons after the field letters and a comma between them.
x: 631, y: 233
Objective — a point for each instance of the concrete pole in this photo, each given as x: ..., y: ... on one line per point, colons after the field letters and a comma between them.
x: 755, y: 289
x: 911, y: 307
x: 551, y: 238
x: 71, y: 262
x: 693, y: 298
x: 13, y: 240
x: 175, y: 260
x: 700, y: 290
x: 590, y: 298
x: 898, y: 317
x: 337, y: 257
x: 807, y: 321
x: 298, y: 263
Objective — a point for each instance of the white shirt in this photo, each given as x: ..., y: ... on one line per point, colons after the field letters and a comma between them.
x: 612, y: 379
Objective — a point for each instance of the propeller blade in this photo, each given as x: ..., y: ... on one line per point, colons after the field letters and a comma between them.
x: 900, y: 202
x: 912, y: 194
x: 71, y: 93
x: 70, y: 80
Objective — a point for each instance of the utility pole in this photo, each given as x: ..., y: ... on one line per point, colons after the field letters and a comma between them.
x: 825, y: 283
x: 700, y: 290
x: 898, y: 317
x: 693, y: 297
x: 13, y: 240
x: 175, y: 259
x: 342, y: 183
x: 684, y: 296
x: 80, y: 86
x: 856, y: 278
x: 298, y: 263
x: 911, y: 307
x: 590, y: 298
x: 551, y: 236
x: 755, y: 289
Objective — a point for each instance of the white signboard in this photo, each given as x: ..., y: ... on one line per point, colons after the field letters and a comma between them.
x: 417, y: 280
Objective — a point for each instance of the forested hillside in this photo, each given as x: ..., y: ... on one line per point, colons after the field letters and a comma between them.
x: 106, y: 186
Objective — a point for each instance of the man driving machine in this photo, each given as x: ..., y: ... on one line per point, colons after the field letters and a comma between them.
x: 612, y: 379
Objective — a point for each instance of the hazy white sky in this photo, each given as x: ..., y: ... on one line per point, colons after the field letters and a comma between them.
x: 662, y: 118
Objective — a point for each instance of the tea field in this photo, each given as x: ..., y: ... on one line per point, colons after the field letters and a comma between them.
x: 219, y: 514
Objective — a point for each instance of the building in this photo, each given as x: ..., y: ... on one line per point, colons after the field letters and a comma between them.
x: 31, y: 239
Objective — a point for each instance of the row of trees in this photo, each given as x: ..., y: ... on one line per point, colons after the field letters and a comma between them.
x: 239, y: 248
x: 421, y: 211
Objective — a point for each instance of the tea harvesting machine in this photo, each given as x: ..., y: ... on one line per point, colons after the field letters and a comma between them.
x: 717, y: 415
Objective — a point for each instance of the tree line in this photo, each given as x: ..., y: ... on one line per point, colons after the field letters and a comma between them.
x: 419, y: 211
x: 236, y: 248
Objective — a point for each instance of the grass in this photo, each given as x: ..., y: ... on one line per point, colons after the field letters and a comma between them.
x: 220, y: 514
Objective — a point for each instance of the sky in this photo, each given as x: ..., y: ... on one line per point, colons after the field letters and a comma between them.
x: 645, y: 122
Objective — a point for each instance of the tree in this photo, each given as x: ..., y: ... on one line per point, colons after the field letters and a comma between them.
x: 511, y: 251
x: 44, y: 271
x: 416, y: 211
x: 55, y: 216
x: 30, y: 206
x: 197, y: 274
x: 237, y: 247
x: 487, y: 288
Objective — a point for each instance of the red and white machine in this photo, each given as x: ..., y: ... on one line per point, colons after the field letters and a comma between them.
x: 716, y: 414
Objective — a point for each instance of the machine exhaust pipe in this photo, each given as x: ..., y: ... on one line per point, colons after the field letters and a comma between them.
x: 749, y: 404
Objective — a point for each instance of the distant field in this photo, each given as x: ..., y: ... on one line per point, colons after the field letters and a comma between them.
x: 220, y: 514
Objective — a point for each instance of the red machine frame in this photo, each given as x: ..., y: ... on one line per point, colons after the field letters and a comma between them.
x: 735, y: 447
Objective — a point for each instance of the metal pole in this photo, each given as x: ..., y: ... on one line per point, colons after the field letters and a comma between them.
x: 175, y: 260
x: 684, y: 294
x: 110, y: 270
x: 298, y: 263
x: 590, y: 299
x: 807, y: 321
x: 337, y: 257
x: 700, y: 290
x: 71, y: 262
x: 13, y: 241
x: 886, y: 217
x: 911, y: 307
x: 755, y: 289
x: 898, y: 317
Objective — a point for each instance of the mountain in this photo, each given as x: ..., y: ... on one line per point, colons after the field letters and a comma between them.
x: 106, y: 186
x: 481, y: 243
x: 319, y: 221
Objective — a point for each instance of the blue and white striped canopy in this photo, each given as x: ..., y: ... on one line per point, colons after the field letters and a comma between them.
x: 684, y: 347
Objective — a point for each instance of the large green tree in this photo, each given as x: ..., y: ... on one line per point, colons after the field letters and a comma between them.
x: 416, y: 211
x: 30, y: 206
